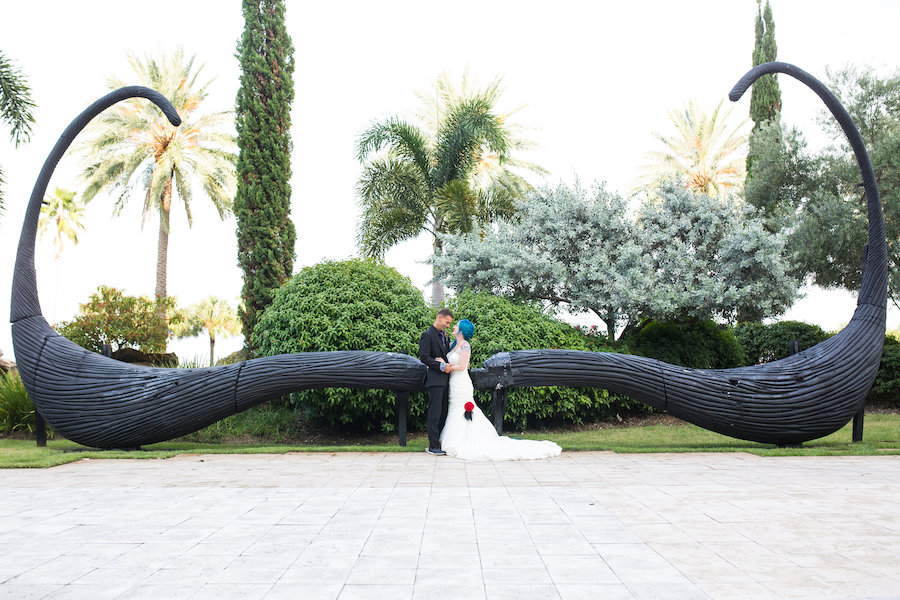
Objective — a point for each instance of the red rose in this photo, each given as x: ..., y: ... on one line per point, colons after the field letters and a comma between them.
x: 469, y: 406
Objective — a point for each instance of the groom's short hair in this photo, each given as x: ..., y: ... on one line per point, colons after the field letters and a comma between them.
x: 445, y: 312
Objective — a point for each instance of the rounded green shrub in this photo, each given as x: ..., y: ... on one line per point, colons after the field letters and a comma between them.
x: 765, y: 343
x: 502, y: 324
x: 357, y: 304
x: 887, y: 383
x: 694, y: 344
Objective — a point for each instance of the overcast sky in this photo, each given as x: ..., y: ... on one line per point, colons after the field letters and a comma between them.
x: 596, y: 79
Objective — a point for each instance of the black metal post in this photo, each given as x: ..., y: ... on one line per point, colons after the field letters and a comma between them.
x: 498, y: 408
x: 40, y: 430
x: 858, y: 424
x: 402, y: 404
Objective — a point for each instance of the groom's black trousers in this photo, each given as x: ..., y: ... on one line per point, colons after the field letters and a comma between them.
x: 438, y: 404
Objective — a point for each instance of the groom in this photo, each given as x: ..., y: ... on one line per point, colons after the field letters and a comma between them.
x: 433, y: 345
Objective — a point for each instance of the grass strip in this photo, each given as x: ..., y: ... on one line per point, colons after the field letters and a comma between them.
x: 881, y: 436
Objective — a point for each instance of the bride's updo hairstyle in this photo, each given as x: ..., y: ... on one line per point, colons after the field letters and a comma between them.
x: 467, y: 329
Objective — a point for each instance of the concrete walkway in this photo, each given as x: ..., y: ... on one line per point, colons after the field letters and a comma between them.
x: 410, y: 525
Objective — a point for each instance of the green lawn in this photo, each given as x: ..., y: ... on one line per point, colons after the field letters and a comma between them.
x: 881, y: 436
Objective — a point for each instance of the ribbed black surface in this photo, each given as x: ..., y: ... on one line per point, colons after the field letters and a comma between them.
x: 101, y: 402
x: 105, y: 403
x: 803, y: 397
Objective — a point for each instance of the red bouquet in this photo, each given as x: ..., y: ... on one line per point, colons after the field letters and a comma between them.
x: 469, y: 408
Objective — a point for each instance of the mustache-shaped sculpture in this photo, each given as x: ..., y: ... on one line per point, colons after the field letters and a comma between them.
x: 105, y: 403
x: 101, y: 402
x: 789, y: 401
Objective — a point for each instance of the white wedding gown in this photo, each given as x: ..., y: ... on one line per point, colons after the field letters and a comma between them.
x: 477, y: 439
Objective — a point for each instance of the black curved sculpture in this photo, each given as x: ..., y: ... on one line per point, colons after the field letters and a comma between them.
x: 104, y: 403
x: 100, y: 402
x: 793, y: 400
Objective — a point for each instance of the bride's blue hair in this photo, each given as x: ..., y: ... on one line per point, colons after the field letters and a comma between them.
x: 467, y: 329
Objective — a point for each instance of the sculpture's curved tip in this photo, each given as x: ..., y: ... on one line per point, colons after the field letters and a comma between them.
x: 25, y: 301
x: 873, y: 289
x: 758, y: 71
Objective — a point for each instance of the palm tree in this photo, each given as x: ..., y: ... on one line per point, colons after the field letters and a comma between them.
x: 15, y: 107
x: 414, y: 180
x: 62, y: 214
x: 135, y: 144
x: 703, y: 150
x: 448, y: 91
x: 216, y: 317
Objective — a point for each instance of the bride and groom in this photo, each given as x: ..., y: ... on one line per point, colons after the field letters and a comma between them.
x: 456, y: 426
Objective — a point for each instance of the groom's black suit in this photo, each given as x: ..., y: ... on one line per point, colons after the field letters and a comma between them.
x: 433, y: 345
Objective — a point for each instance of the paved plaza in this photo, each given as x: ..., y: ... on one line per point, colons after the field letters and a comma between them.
x: 409, y: 525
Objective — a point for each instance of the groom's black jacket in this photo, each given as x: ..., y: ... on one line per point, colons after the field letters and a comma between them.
x: 431, y: 347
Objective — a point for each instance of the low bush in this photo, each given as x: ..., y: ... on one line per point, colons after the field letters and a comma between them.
x: 357, y: 304
x: 887, y: 383
x: 269, y: 421
x: 694, y: 344
x: 111, y: 317
x: 16, y: 408
x: 506, y: 325
x: 765, y: 343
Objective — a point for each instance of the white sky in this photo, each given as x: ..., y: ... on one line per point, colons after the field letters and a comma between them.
x: 596, y: 78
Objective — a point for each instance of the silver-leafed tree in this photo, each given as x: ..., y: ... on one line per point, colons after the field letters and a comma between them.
x: 265, y: 232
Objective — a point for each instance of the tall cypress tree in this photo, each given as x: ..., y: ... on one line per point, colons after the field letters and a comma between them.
x: 765, y: 97
x: 262, y: 205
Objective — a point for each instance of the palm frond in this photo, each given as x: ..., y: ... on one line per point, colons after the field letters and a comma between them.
x: 457, y: 205
x: 469, y: 131
x: 401, y: 138
x: 394, y: 203
x: 707, y: 155
x: 16, y: 104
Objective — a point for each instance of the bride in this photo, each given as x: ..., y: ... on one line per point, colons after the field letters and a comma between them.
x: 468, y: 434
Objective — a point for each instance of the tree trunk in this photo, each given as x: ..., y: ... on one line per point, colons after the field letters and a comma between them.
x: 437, y: 288
x: 162, y: 245
x: 610, y: 322
x: 212, y: 350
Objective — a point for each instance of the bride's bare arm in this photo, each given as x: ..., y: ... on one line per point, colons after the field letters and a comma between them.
x: 465, y: 350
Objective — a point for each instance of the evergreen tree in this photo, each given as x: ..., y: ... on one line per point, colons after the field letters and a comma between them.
x: 262, y: 205
x: 765, y: 97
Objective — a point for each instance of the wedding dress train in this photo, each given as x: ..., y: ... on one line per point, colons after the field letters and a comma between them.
x: 477, y: 439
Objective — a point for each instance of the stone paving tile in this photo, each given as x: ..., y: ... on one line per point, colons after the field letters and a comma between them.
x: 170, y: 591
x: 235, y: 591
x: 376, y: 592
x: 580, y: 569
x: 295, y: 591
x: 90, y: 591
x: 15, y: 591
x: 347, y: 525
x: 666, y: 591
x: 448, y: 590
x: 515, y: 575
